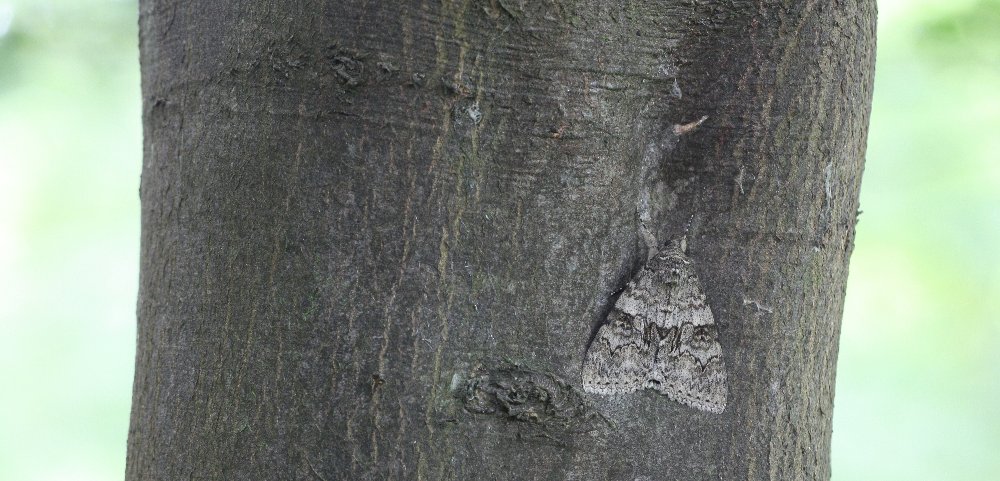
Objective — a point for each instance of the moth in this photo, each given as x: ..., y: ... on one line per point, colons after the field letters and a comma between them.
x: 660, y: 335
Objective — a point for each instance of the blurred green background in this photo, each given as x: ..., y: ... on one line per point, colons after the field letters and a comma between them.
x: 918, y: 386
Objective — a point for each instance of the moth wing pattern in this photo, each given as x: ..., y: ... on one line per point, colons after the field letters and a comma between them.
x: 620, y: 342
x: 660, y: 335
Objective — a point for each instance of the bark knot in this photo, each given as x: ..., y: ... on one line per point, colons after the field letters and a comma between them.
x: 519, y: 394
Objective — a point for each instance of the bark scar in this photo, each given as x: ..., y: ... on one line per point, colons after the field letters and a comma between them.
x: 517, y: 394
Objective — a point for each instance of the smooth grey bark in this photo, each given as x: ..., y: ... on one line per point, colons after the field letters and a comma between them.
x: 377, y: 236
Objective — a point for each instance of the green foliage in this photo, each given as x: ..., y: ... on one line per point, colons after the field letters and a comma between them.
x: 70, y: 151
x: 917, y: 380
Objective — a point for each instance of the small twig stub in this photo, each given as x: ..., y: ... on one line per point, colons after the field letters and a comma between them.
x: 681, y: 129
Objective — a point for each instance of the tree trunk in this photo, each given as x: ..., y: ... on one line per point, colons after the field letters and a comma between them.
x: 378, y: 236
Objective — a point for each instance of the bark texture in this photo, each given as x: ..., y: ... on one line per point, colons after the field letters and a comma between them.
x: 378, y: 236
